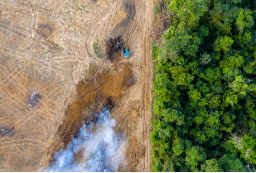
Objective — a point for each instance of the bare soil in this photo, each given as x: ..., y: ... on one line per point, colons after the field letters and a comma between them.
x: 47, y: 47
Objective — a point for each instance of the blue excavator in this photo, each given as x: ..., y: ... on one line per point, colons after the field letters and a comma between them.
x: 125, y: 52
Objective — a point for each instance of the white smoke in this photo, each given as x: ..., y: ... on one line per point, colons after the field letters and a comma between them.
x: 102, y: 150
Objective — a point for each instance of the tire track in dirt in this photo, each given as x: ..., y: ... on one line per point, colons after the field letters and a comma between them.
x: 146, y: 63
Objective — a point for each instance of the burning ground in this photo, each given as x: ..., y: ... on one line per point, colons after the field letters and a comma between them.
x: 101, y: 150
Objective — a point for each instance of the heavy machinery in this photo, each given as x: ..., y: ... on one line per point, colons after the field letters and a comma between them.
x: 125, y: 52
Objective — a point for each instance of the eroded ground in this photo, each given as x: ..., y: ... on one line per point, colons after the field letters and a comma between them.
x: 48, y: 47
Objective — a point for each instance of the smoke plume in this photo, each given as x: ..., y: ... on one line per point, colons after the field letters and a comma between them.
x: 102, y: 150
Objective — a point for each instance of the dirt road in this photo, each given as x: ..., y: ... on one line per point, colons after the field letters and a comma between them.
x: 47, y: 47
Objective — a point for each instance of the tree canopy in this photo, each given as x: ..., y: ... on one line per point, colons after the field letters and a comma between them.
x: 205, y: 88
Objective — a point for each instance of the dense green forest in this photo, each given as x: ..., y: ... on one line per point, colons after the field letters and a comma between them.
x: 205, y: 88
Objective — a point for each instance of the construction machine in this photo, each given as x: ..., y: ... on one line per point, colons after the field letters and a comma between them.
x: 125, y: 52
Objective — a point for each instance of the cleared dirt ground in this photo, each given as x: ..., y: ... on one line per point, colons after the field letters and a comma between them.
x: 54, y: 48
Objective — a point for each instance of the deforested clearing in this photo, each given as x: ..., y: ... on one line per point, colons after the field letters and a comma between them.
x: 59, y: 69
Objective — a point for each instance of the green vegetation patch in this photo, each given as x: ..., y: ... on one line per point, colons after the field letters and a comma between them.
x: 96, y: 48
x: 205, y: 88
